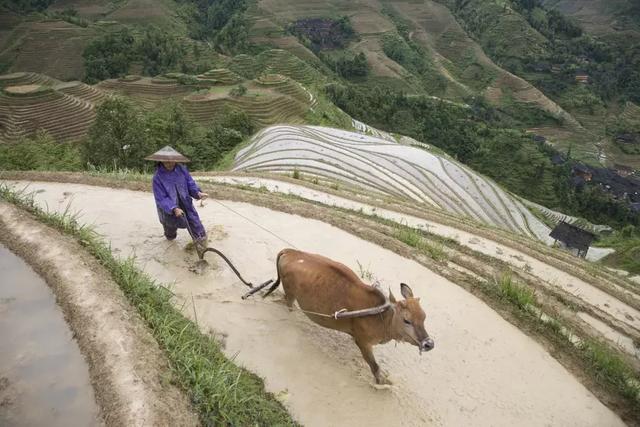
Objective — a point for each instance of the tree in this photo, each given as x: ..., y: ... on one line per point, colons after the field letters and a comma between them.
x: 117, y: 138
x: 216, y: 143
x: 159, y: 51
x: 169, y: 125
x: 109, y: 56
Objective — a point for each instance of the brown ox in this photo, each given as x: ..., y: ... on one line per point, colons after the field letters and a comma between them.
x: 321, y: 285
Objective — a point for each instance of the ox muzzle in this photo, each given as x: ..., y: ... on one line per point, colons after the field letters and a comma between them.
x: 426, y: 344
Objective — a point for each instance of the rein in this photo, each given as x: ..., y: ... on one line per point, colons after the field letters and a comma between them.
x: 340, y: 314
x: 344, y: 314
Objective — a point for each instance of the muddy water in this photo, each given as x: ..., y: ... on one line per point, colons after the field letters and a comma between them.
x: 483, y: 372
x: 44, y: 379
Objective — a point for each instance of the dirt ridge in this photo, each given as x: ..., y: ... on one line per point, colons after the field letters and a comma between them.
x: 128, y: 371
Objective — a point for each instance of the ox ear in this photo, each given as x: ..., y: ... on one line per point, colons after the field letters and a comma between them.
x: 406, y: 291
x: 392, y: 299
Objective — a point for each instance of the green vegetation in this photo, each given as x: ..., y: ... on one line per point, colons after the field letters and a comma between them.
x: 117, y: 137
x: 109, y: 56
x: 69, y: 15
x: 221, y: 392
x: 219, y: 21
x: 610, y: 369
x: 347, y: 66
x: 626, y: 242
x: 319, y: 34
x: 159, y: 51
x: 414, y: 238
x: 40, y: 153
x: 25, y: 6
x: 545, y: 37
x: 519, y: 295
x: 239, y: 90
x: 112, y: 54
x: 413, y: 57
x: 124, y: 134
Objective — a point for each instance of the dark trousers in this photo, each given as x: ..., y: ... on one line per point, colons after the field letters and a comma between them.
x: 171, y: 223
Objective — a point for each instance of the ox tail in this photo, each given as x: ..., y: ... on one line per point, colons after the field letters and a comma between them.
x: 277, y: 282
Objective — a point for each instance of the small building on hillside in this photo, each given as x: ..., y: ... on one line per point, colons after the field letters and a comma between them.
x: 574, y: 238
x: 583, y: 172
x: 627, y: 138
x: 582, y: 77
x: 539, y: 139
x: 623, y: 171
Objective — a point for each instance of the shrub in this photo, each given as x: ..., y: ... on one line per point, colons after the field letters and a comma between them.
x: 40, y: 152
x: 237, y: 91
x: 117, y: 138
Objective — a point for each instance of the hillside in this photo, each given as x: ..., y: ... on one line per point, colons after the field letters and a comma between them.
x: 602, y: 17
x: 30, y: 102
x: 441, y: 48
x: 389, y: 170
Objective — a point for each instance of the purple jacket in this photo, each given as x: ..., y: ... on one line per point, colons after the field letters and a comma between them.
x: 166, y: 182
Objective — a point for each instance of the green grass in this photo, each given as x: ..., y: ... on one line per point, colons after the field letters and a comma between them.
x: 365, y: 273
x: 221, y: 392
x: 521, y: 296
x: 626, y: 242
x: 602, y: 363
x: 610, y: 369
x: 414, y: 238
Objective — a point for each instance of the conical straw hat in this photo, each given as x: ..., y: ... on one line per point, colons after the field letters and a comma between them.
x: 167, y: 154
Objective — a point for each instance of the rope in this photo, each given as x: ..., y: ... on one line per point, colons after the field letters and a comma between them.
x: 255, y: 223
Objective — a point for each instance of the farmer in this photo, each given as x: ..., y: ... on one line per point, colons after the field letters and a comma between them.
x: 173, y: 189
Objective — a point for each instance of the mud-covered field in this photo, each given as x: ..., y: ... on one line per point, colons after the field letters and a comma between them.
x: 484, y: 371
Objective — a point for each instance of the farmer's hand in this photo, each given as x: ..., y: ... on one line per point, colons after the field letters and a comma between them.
x: 202, y: 196
x: 178, y: 212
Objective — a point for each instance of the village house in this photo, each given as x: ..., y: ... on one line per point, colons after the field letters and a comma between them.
x: 573, y: 238
x: 582, y: 77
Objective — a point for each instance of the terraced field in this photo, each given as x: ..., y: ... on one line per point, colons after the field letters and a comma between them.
x: 31, y: 101
x: 265, y: 108
x: 286, y: 86
x: 276, y: 61
x: 146, y: 90
x: 19, y: 79
x: 83, y: 91
x: 221, y: 76
x: 25, y: 109
x: 49, y: 47
x: 390, y: 170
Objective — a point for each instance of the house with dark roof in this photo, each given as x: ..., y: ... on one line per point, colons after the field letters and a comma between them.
x: 573, y: 238
x: 582, y: 76
x: 627, y: 138
x: 582, y: 171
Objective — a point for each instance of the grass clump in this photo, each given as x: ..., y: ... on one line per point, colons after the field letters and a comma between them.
x: 610, y: 369
x: 365, y: 273
x: 221, y: 392
x: 414, y: 238
x: 408, y: 235
x: 521, y: 296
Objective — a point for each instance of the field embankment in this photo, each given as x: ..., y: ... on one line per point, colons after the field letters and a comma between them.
x: 128, y: 371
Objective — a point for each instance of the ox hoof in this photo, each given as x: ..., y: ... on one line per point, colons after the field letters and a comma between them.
x: 382, y: 386
x: 383, y: 381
